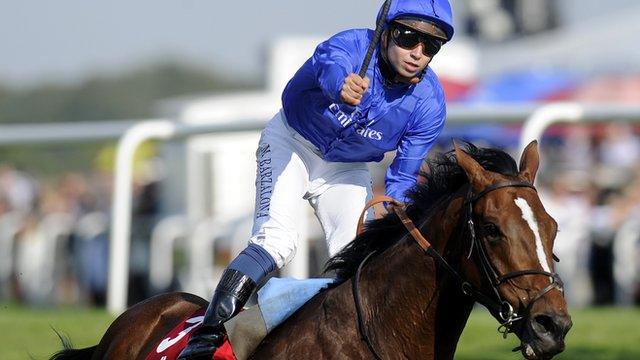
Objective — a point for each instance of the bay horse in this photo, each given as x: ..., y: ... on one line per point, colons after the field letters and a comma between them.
x: 491, y: 242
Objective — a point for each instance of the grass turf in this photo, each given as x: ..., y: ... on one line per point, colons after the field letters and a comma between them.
x: 604, y: 333
x: 599, y: 333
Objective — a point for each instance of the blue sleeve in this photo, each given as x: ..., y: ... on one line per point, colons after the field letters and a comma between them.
x: 413, y: 147
x: 334, y: 59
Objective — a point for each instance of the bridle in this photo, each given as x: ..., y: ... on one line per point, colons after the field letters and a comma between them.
x: 494, y: 302
x: 502, y: 307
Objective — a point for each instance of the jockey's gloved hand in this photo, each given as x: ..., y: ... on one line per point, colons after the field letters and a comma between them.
x: 353, y: 89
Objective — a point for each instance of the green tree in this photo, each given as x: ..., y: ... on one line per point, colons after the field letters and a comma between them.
x: 130, y: 94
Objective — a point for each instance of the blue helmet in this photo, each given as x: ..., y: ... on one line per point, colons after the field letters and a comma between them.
x: 436, y: 12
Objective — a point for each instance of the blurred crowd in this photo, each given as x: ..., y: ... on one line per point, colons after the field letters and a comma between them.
x: 54, y: 233
x: 54, y: 237
x: 592, y: 188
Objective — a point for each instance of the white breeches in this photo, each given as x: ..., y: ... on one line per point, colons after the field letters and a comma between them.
x: 290, y: 169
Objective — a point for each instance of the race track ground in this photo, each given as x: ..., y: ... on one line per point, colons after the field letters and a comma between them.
x: 606, y: 333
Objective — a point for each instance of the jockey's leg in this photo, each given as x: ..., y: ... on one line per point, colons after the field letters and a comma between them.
x: 281, y: 181
x: 339, y: 205
x: 234, y: 289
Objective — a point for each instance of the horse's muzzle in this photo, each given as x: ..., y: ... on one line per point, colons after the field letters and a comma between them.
x: 544, y: 335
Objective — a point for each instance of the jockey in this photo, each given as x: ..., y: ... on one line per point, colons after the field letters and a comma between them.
x: 316, y: 148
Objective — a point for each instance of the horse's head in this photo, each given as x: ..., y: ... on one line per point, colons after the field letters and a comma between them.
x: 512, y: 242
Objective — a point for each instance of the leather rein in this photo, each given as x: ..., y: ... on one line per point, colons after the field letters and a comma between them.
x: 494, y: 302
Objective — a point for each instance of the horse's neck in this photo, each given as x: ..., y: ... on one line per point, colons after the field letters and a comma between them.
x: 451, y: 317
x: 414, y: 306
x: 396, y: 305
x: 453, y: 308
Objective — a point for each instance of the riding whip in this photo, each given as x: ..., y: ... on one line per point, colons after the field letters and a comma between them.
x: 376, y: 38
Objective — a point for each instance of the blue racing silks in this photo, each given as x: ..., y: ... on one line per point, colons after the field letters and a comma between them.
x: 391, y: 116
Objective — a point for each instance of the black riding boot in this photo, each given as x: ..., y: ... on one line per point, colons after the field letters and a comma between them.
x: 231, y: 294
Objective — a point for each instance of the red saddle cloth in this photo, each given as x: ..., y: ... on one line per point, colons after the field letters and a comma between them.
x: 176, y: 340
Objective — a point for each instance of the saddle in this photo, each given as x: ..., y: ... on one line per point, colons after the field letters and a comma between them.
x: 176, y: 340
x: 278, y: 299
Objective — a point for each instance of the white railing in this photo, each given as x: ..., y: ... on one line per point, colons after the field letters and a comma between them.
x: 39, y: 252
x: 626, y: 265
x: 10, y: 224
x: 163, y: 241
x: 536, y: 119
x: 123, y: 189
x: 554, y: 113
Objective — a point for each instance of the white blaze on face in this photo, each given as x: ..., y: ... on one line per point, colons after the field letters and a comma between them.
x: 527, y: 215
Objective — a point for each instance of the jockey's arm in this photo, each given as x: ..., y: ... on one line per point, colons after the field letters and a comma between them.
x: 334, y: 60
x: 413, y: 148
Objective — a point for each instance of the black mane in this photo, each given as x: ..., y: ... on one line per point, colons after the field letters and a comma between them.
x: 442, y: 179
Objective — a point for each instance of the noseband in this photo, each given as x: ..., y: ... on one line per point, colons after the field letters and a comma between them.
x: 494, y: 302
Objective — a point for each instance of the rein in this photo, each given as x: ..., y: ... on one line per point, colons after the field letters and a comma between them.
x: 494, y: 303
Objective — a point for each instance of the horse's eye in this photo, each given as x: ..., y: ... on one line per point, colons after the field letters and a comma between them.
x: 491, y: 231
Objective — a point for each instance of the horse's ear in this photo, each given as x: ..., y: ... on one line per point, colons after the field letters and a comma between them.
x: 477, y: 175
x: 529, y: 162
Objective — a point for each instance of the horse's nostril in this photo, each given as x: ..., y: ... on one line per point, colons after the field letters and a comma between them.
x: 545, y: 322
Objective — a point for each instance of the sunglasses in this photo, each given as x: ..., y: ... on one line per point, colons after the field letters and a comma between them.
x: 408, y: 39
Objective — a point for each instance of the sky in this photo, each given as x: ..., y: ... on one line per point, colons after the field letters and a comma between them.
x: 70, y: 40
x: 66, y: 40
